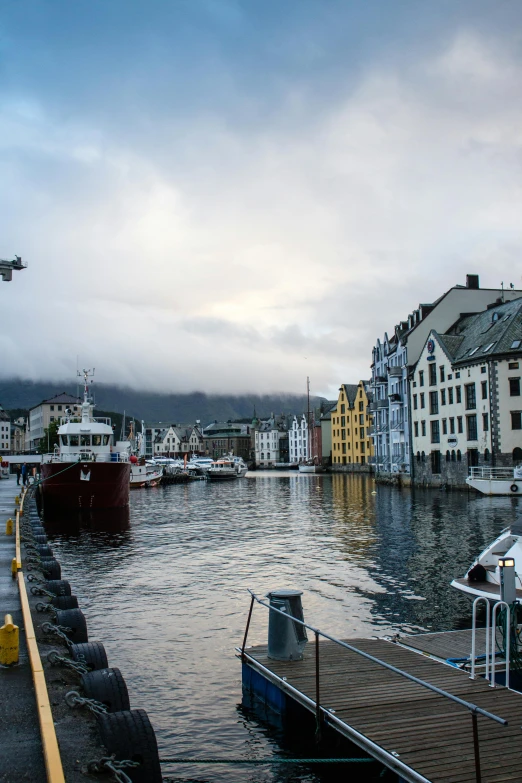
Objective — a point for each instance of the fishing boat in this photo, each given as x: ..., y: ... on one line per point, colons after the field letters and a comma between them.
x: 222, y: 470
x: 483, y: 577
x: 496, y: 481
x: 144, y: 473
x: 84, y: 472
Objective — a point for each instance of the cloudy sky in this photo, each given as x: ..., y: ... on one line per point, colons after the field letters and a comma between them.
x: 230, y: 195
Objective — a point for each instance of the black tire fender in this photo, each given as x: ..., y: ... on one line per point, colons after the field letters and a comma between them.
x: 75, y: 620
x: 92, y: 654
x: 58, y: 587
x: 44, y: 550
x: 41, y: 538
x: 514, y: 488
x: 107, y: 686
x: 50, y: 568
x: 65, y: 602
x: 129, y: 735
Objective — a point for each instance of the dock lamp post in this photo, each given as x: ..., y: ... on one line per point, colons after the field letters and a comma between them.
x: 508, y: 591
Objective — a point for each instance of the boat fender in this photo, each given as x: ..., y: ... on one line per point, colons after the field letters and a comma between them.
x: 514, y: 488
x: 74, y: 621
x: 92, y: 654
x: 44, y: 550
x: 107, y: 686
x: 50, y: 567
x: 65, y: 602
x: 58, y: 587
x: 41, y: 538
x: 477, y: 574
x: 129, y: 736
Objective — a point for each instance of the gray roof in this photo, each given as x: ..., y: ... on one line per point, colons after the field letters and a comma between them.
x: 63, y: 397
x: 494, y: 332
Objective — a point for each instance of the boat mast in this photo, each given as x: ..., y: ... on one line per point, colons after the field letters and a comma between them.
x: 86, y: 404
x: 308, y: 449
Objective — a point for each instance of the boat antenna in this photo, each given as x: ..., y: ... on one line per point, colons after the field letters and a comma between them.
x: 308, y: 451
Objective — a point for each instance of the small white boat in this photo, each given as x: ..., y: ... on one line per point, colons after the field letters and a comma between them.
x: 496, y: 481
x: 222, y: 470
x: 145, y: 473
x: 483, y: 578
x: 241, y: 466
x: 310, y: 467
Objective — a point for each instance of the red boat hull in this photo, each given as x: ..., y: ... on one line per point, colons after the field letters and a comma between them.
x: 107, y: 485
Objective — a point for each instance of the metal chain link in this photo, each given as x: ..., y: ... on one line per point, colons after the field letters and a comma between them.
x: 116, y: 767
x: 41, y: 607
x: 57, y: 630
x: 42, y: 591
x: 33, y: 578
x: 73, y: 699
x: 55, y: 659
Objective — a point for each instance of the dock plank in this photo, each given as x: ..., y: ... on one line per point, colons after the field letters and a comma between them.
x: 429, y: 733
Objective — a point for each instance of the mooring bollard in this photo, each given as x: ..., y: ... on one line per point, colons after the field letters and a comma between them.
x: 9, y: 642
x: 9, y: 527
x: 14, y: 568
x: 17, y: 500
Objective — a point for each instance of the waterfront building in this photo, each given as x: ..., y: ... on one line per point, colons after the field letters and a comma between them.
x: 18, y: 436
x: 298, y: 439
x: 41, y: 416
x: 326, y: 434
x: 5, y: 432
x: 270, y: 441
x: 393, y: 360
x: 466, y: 397
x: 176, y: 441
x: 350, y: 427
x: 222, y: 438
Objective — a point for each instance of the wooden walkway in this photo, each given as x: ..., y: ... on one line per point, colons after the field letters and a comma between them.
x: 428, y: 733
x: 445, y: 644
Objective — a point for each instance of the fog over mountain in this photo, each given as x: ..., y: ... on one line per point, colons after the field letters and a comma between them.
x: 233, y: 196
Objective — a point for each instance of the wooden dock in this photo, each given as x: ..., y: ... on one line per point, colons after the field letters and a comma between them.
x: 421, y: 735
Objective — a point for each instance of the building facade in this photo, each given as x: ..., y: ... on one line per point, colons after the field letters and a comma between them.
x: 41, y: 416
x: 5, y: 432
x: 270, y: 442
x: 351, y: 427
x: 466, y: 397
x: 298, y: 445
x: 394, y: 358
x: 222, y: 438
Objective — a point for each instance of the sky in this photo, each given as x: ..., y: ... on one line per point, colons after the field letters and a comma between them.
x: 232, y: 195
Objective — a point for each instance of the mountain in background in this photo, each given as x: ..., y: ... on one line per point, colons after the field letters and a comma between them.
x: 155, y: 407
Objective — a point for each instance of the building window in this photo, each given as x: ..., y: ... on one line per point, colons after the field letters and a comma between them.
x: 343, y: 434
x: 471, y: 399
x: 516, y: 420
x: 484, y: 388
x: 514, y: 387
x: 435, y: 431
x: 459, y: 455
x: 459, y: 424
x: 450, y: 395
x: 423, y: 429
x: 513, y: 366
x: 471, y: 425
x: 421, y: 377
x: 52, y: 407
x: 361, y: 405
x: 485, y: 422
x: 483, y: 369
x: 452, y: 425
x: 458, y: 394
x: 443, y: 396
x: 422, y: 400
x: 433, y: 374
x: 517, y: 455
x: 344, y: 448
x: 444, y: 426
x: 414, y: 402
x: 343, y: 408
x: 472, y: 458
x: 441, y: 371
x: 343, y: 421
x: 416, y: 429
x: 361, y: 432
x: 361, y: 418
x: 448, y: 456
x: 435, y: 461
x: 434, y: 403
x: 486, y: 455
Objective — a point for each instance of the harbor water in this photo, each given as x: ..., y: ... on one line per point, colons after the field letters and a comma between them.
x: 164, y: 586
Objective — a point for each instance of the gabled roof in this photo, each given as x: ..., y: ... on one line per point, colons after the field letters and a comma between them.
x: 350, y: 390
x: 492, y: 332
x: 63, y: 397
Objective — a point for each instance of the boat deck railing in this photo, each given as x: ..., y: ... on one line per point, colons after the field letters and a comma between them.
x: 484, y: 472
x: 474, y: 709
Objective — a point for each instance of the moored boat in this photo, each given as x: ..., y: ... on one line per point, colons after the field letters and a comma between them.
x: 144, y: 473
x: 84, y: 472
x: 496, y: 481
x: 222, y: 470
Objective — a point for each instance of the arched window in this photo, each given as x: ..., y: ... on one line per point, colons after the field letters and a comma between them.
x: 486, y: 455
x: 459, y: 455
x: 262, y: 455
x: 423, y: 457
x: 453, y: 455
x: 517, y: 455
x: 448, y: 456
x: 418, y: 456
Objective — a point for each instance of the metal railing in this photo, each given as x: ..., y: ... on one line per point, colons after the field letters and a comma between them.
x: 495, y: 473
x: 473, y: 708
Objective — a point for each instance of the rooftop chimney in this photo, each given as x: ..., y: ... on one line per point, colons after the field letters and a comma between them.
x: 472, y: 281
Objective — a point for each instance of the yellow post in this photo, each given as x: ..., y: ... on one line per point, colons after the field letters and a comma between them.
x: 17, y: 500
x: 9, y: 527
x: 14, y: 567
x: 9, y: 642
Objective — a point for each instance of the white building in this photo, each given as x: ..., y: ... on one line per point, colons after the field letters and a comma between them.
x: 5, y: 432
x: 174, y: 441
x: 268, y: 436
x: 393, y: 361
x: 466, y: 396
x: 46, y: 412
x: 298, y: 445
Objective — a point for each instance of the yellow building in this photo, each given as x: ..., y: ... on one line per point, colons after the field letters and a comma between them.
x: 351, y: 443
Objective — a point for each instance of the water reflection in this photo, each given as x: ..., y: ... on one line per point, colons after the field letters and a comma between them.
x: 166, y: 592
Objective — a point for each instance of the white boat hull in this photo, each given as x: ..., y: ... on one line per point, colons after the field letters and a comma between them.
x: 495, y: 486
x: 311, y: 469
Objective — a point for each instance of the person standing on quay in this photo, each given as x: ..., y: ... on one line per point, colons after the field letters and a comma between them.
x: 24, y: 474
x: 18, y: 472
